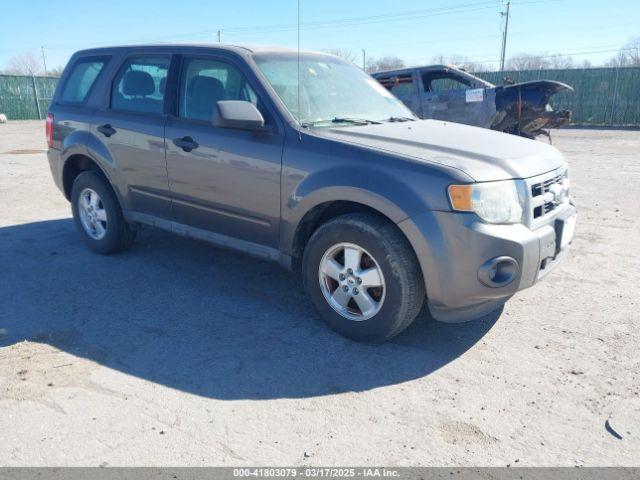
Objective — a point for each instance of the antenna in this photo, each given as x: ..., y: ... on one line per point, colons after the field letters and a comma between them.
x: 298, y: 100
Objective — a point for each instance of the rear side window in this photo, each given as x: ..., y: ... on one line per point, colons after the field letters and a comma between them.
x: 140, y: 84
x: 440, y: 82
x: 401, y: 85
x: 205, y: 82
x: 81, y: 79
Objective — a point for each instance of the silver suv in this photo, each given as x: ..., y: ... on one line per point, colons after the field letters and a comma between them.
x: 306, y: 160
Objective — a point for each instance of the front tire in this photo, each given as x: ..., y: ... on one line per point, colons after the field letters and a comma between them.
x: 363, y: 277
x: 98, y: 216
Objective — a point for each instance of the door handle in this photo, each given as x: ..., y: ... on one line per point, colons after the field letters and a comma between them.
x: 106, y: 129
x: 186, y: 143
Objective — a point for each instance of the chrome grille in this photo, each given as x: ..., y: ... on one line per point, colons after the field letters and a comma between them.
x: 549, y: 194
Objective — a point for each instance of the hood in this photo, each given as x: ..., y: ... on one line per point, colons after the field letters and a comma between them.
x: 542, y: 88
x: 551, y: 86
x: 482, y: 154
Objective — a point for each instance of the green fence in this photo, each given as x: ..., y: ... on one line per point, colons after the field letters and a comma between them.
x: 602, y: 96
x: 25, y: 97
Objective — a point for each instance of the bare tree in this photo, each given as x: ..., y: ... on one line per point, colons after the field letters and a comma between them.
x: 388, y: 62
x: 559, y: 61
x: 347, y: 55
x: 628, y: 56
x: 55, y: 71
x: 526, y: 61
x: 618, y: 60
x: 23, y: 64
x: 632, y: 51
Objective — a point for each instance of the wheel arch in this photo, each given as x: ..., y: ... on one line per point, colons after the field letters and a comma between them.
x: 77, y: 163
x: 321, y: 206
x: 73, y: 166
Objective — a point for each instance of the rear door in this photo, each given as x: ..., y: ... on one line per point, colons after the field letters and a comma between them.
x: 229, y: 181
x: 131, y: 128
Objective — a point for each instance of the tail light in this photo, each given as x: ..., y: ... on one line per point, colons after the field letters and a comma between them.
x: 49, y: 129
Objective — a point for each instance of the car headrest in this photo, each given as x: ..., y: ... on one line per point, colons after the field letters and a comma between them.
x: 203, y: 93
x: 137, y: 82
x: 206, y: 87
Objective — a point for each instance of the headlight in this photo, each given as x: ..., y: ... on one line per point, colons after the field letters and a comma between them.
x: 493, y: 202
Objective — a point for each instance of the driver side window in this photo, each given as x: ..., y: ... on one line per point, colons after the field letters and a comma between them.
x: 441, y: 82
x: 205, y: 82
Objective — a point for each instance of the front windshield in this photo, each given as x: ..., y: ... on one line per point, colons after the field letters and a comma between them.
x: 332, y: 92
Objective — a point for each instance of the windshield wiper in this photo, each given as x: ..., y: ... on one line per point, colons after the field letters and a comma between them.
x: 355, y: 121
x: 401, y: 119
x: 349, y: 120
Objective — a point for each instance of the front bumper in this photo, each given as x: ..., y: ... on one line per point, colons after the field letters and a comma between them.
x: 452, y: 248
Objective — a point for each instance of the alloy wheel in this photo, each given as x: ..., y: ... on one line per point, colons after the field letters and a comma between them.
x: 352, y: 281
x: 93, y: 215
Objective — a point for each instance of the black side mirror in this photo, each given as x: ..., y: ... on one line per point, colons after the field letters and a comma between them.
x: 238, y: 114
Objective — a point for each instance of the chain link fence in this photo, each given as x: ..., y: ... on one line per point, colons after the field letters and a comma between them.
x: 26, y: 97
x: 601, y: 96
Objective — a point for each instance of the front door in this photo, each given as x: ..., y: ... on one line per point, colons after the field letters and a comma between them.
x: 404, y: 88
x: 222, y: 180
x: 131, y: 128
x: 451, y: 97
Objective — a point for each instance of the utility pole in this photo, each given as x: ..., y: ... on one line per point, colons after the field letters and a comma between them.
x: 364, y: 60
x: 44, y: 60
x: 219, y: 36
x: 504, y: 35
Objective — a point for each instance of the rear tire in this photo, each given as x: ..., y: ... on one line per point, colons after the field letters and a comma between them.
x: 382, y: 292
x: 98, y: 216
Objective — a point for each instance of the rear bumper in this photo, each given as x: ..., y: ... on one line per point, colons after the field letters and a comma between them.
x: 454, y: 250
x: 55, y: 164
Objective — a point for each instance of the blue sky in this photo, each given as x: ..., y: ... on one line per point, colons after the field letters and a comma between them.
x: 415, y: 30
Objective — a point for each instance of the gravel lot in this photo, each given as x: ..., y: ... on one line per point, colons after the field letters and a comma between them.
x: 176, y: 353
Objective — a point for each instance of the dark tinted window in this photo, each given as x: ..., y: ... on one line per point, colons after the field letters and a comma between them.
x: 400, y: 86
x: 440, y: 82
x: 140, y: 83
x: 81, y: 79
x: 204, y: 82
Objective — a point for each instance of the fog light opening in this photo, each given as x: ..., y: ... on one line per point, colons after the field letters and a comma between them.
x: 498, y: 272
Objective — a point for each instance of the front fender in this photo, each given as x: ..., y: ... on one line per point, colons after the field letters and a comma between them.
x: 373, y: 189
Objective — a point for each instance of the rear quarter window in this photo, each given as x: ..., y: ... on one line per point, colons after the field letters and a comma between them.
x: 81, y: 78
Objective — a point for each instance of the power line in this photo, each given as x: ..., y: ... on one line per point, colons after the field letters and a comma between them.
x: 536, y: 54
x: 458, y: 39
x: 369, y: 19
x: 324, y: 24
x: 416, y: 14
x: 345, y: 22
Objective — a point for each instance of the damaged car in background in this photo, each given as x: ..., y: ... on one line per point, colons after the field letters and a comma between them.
x: 449, y: 93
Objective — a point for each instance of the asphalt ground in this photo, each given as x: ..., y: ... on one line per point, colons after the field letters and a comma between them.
x: 178, y: 353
